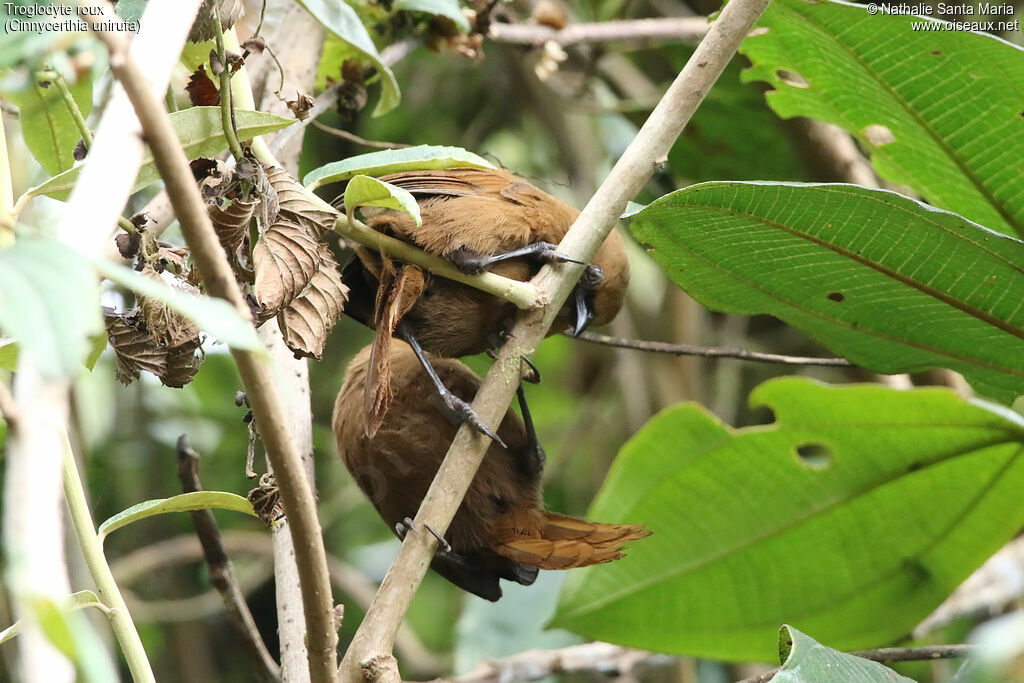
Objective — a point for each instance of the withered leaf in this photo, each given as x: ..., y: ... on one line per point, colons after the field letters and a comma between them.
x: 80, y: 150
x: 202, y: 92
x: 285, y: 259
x: 309, y: 318
x: 134, y: 347
x: 167, y: 327
x: 231, y: 222
x: 301, y: 105
x: 128, y: 244
x: 182, y: 364
x: 293, y: 204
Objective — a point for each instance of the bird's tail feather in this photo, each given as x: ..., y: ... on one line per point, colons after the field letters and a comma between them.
x: 565, y: 542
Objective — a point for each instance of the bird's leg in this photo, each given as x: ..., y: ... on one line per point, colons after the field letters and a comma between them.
x: 583, y: 296
x: 405, y: 526
x: 455, y: 407
x: 531, y: 432
x: 472, y: 262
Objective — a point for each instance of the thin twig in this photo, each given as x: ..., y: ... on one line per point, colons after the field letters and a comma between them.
x: 373, y: 641
x: 57, y: 78
x: 523, y: 294
x: 222, y: 576
x: 890, y: 654
x: 353, y: 138
x: 684, y: 29
x: 710, y: 351
x: 211, y: 262
x: 603, y: 659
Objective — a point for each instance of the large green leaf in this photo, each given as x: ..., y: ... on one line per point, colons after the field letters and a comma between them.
x: 418, y: 158
x: 893, y: 285
x: 851, y: 517
x: 805, y: 660
x: 184, y: 502
x: 49, y: 303
x: 939, y: 111
x: 200, y: 133
x: 47, y: 126
x: 341, y: 20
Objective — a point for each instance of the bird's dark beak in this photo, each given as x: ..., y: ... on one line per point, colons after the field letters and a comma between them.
x: 584, y: 314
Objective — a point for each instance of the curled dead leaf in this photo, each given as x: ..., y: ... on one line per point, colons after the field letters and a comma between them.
x: 231, y: 222
x: 294, y: 205
x: 285, y: 259
x: 308, y: 320
x: 136, y: 350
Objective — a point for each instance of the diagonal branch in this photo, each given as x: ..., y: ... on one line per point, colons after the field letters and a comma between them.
x: 684, y: 29
x: 211, y: 262
x: 371, y: 647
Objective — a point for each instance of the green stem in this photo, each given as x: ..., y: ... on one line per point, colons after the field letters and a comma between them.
x: 57, y: 79
x: 226, y: 112
x: 6, y: 186
x: 92, y: 550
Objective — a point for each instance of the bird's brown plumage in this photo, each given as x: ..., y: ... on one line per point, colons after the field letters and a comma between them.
x: 501, y: 530
x: 488, y: 212
x: 467, y: 213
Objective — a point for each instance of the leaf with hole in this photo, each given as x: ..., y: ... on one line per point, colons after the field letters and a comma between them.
x: 341, y: 20
x: 366, y: 191
x: 419, y: 158
x: 200, y: 133
x: 184, y: 502
x: 49, y: 303
x: 892, y: 284
x: 940, y: 111
x: 920, y: 488
x: 805, y: 660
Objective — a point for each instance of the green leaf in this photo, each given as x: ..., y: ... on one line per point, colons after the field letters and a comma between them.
x: 939, y: 111
x: 200, y: 133
x: 8, y: 354
x: 909, y: 492
x: 49, y: 303
x: 73, y: 635
x: 366, y: 191
x: 418, y: 158
x: 892, y: 284
x: 805, y: 660
x: 184, y: 502
x: 47, y: 126
x: 214, y: 316
x: 443, y: 8
x: 341, y: 20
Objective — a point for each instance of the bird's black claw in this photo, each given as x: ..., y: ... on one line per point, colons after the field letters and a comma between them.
x: 461, y: 412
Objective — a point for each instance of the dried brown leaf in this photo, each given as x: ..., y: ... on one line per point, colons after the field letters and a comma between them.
x: 309, y: 318
x: 285, y: 259
x: 294, y: 205
x: 182, y: 364
x: 134, y: 347
x: 202, y: 91
x: 167, y: 327
x: 231, y: 222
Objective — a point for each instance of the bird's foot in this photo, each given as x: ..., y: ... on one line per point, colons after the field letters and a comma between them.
x: 472, y: 262
x: 461, y: 412
x: 405, y: 526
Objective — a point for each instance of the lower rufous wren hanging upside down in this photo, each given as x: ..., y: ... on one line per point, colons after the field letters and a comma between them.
x: 501, y: 530
x: 476, y: 218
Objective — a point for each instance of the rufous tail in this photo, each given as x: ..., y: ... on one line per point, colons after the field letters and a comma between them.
x: 565, y: 542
